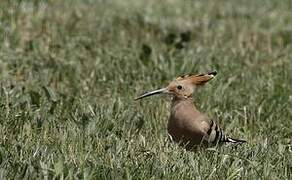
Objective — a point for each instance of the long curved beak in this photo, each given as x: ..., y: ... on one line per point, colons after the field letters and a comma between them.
x: 158, y: 91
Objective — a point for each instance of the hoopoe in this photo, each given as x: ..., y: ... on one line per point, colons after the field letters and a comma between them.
x: 187, y: 126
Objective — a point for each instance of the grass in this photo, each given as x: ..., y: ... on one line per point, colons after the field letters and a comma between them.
x: 69, y: 71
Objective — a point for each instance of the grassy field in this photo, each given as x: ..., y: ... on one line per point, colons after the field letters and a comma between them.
x: 69, y: 71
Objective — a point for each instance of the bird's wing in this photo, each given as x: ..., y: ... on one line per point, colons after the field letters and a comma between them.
x: 214, y: 134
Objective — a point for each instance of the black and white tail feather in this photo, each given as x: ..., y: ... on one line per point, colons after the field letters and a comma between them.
x: 217, y: 136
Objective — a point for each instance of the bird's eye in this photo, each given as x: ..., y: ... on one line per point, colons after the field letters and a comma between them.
x: 179, y: 87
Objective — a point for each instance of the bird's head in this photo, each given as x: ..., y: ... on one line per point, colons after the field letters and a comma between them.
x: 183, y: 86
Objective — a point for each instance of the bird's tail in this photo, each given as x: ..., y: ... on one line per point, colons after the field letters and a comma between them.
x: 226, y: 139
x: 232, y: 140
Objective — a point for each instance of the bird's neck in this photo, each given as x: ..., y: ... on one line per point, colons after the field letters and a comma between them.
x: 181, y: 100
x: 182, y: 108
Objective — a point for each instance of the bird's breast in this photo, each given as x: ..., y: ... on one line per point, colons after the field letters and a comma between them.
x: 183, y: 127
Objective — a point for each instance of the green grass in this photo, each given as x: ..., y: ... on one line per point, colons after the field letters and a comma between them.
x: 69, y: 71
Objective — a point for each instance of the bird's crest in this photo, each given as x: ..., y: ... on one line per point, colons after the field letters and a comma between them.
x: 197, y: 79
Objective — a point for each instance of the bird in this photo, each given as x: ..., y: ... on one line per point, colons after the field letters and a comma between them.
x: 187, y: 126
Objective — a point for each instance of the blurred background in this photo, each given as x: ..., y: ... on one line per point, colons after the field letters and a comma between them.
x: 69, y: 71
